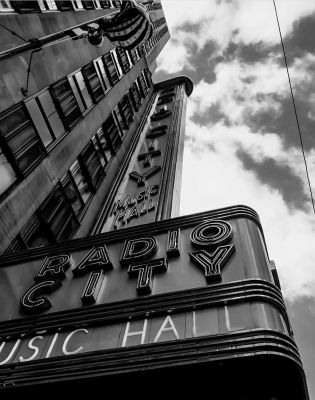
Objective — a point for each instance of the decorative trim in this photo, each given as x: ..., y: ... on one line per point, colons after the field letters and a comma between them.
x: 213, y: 350
x: 177, y: 81
x: 180, y: 301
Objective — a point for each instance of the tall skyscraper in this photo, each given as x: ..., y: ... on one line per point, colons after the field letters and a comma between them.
x: 102, y: 290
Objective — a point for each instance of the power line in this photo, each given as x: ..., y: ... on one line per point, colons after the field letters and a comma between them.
x: 13, y: 33
x: 295, y: 110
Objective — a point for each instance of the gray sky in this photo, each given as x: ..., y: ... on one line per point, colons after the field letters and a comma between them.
x: 242, y: 142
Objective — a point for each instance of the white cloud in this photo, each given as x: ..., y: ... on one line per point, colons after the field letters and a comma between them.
x: 220, y: 180
x: 240, y: 21
x: 241, y: 90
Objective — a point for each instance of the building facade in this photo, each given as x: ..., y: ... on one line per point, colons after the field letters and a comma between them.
x: 105, y: 292
x: 62, y: 142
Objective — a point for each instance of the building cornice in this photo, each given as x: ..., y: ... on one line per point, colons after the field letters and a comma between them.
x: 177, y: 81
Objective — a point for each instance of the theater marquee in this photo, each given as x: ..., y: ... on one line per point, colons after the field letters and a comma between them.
x: 195, y: 277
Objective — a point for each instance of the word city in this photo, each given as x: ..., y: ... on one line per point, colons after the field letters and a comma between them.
x: 210, y: 239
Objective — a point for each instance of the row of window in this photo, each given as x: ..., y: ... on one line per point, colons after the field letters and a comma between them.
x: 58, y: 218
x: 28, y: 128
x: 23, y: 7
x: 149, y: 45
x: 159, y: 22
x: 154, y: 6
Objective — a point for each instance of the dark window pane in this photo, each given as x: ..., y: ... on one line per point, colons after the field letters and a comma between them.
x: 110, y: 69
x: 126, y: 110
x: 88, y: 5
x: 69, y: 228
x: 72, y: 194
x: 68, y: 106
x: 123, y: 59
x: 134, y: 55
x: 81, y: 181
x: 23, y: 143
x: 136, y: 95
x: 30, y: 156
x: 116, y: 4
x: 33, y: 233
x: 57, y: 212
x: 105, y: 144
x: 113, y: 129
x: 105, y: 4
x: 93, y: 83
x: 7, y: 175
x: 141, y: 87
x: 64, y: 5
x: 92, y: 164
x: 16, y: 245
x: 99, y: 150
x: 25, y: 6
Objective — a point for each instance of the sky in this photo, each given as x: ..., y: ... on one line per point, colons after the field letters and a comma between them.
x: 242, y: 143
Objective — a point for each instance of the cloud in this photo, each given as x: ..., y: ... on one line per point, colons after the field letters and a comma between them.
x: 242, y: 137
x: 242, y: 22
x: 287, y: 231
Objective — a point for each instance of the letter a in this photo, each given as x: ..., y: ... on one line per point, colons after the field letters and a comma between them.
x: 170, y: 328
x: 96, y: 259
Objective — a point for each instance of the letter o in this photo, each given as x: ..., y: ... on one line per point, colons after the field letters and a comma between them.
x: 211, y: 233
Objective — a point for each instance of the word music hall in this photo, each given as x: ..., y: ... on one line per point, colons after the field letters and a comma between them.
x: 103, y: 287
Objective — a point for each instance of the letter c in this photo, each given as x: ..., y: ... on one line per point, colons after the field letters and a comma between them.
x: 67, y: 339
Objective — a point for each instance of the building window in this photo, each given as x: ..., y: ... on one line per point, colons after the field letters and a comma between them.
x: 141, y: 86
x: 72, y: 193
x: 120, y: 121
x: 102, y: 148
x: 48, y: 109
x: 93, y: 83
x: 7, y: 175
x: 110, y: 68
x: 92, y: 164
x: 116, y: 4
x: 80, y: 91
x: 5, y: 6
x: 88, y: 5
x: 117, y: 62
x: 135, y: 96
x: 15, y: 245
x: 81, y: 182
x: 126, y: 110
x: 105, y: 4
x: 33, y: 233
x: 39, y: 121
x: 64, y: 5
x: 65, y: 101
x: 77, y: 4
x: 25, y: 6
x: 123, y: 59
x: 58, y: 216
x: 112, y: 133
x: 99, y: 65
x: 19, y: 140
x: 134, y: 55
x: 48, y: 5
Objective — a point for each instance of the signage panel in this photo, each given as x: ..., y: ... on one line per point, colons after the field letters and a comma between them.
x: 195, y: 323
x: 138, y: 193
x: 179, y: 254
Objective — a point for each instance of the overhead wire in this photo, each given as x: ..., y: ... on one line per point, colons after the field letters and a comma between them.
x: 295, y: 109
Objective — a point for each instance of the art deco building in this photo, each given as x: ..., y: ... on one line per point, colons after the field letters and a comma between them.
x: 102, y: 291
x: 63, y: 141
